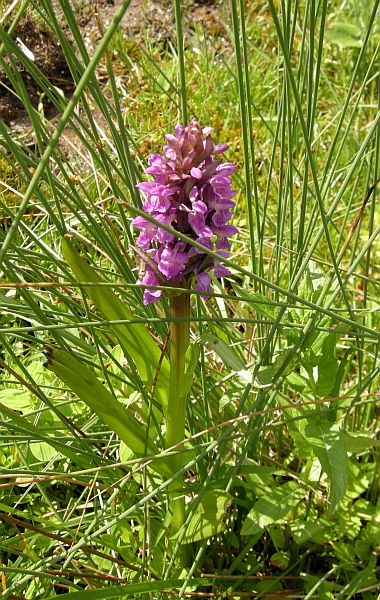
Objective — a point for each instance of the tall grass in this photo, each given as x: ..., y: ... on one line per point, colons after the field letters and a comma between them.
x: 272, y: 451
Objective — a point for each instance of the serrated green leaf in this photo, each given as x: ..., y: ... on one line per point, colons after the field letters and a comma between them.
x: 135, y: 337
x: 344, y: 552
x: 273, y: 507
x: 298, y: 382
x: 359, y: 481
x: 327, y: 441
x: 208, y: 519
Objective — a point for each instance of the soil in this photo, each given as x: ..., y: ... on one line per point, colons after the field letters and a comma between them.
x: 47, y: 56
x: 144, y: 18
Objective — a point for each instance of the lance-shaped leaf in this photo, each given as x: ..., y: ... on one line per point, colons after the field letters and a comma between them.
x: 88, y: 388
x: 134, y: 337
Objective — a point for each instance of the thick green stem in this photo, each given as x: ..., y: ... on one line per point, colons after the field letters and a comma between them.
x: 175, y: 422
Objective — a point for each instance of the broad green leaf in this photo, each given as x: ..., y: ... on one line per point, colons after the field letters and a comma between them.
x: 359, y: 441
x: 135, y: 337
x: 233, y: 393
x: 365, y: 510
x: 349, y: 525
x: 259, y: 478
x: 372, y: 531
x: 277, y: 535
x: 43, y: 451
x: 327, y: 441
x: 311, y: 530
x: 125, y: 453
x: 297, y: 381
x: 266, y: 588
x: 280, y: 560
x: 316, y: 339
x: 266, y: 374
x: 322, y: 587
x: 208, y: 519
x: 88, y: 388
x: 359, y: 481
x: 273, y: 507
x: 344, y: 35
x: 309, y: 289
x: 344, y: 552
x: 362, y: 549
x: 317, y: 344
x: 16, y: 399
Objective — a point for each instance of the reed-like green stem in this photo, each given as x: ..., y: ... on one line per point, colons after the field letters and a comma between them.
x: 181, y: 60
x: 175, y: 421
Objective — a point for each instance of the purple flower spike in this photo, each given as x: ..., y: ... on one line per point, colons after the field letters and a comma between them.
x: 191, y: 192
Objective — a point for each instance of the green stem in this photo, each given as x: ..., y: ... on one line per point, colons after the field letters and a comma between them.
x: 175, y: 422
x: 181, y: 60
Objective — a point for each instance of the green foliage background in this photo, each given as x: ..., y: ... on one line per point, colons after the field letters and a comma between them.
x: 281, y: 461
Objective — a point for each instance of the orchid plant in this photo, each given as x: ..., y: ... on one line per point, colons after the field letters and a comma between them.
x: 191, y: 192
x: 92, y: 452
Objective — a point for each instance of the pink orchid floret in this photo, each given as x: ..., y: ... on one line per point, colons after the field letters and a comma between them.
x: 203, y: 284
x: 191, y: 192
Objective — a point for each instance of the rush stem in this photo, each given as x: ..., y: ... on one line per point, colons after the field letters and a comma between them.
x: 175, y: 423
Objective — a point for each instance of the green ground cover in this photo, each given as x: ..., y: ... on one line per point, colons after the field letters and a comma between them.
x: 280, y: 467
